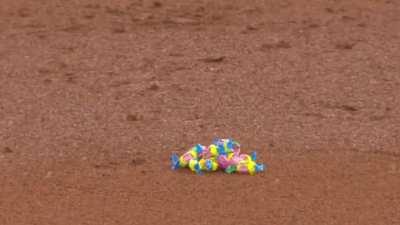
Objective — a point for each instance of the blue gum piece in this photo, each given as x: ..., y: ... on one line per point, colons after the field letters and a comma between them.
x: 229, y: 144
x: 260, y: 168
x: 174, y: 161
x: 199, y: 148
x: 221, y: 150
x: 197, y: 169
x: 253, y: 156
x: 209, y: 165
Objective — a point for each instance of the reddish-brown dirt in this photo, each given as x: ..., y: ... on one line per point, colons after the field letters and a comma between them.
x: 96, y: 95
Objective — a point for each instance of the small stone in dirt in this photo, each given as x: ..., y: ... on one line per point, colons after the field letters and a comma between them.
x: 349, y: 108
x: 362, y: 25
x: 132, y: 117
x: 345, y: 46
x: 251, y: 27
x: 213, y: 59
x: 154, y: 87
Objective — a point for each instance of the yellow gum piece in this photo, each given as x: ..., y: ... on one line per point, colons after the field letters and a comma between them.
x: 203, y: 164
x: 193, y: 153
x: 214, y: 166
x: 213, y: 150
x: 182, y: 162
x: 192, y: 164
x: 251, y: 166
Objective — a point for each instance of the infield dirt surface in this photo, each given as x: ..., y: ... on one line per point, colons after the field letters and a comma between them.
x: 96, y: 95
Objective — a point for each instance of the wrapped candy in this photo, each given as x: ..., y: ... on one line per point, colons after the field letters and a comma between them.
x: 208, y: 164
x: 246, y: 165
x: 221, y: 147
x: 183, y: 161
x: 246, y: 168
x: 233, y: 159
x: 226, y: 146
x: 222, y: 153
x: 201, y: 165
x: 194, y: 166
x: 210, y: 152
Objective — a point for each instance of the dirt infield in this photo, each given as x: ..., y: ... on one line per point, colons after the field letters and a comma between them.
x: 96, y: 95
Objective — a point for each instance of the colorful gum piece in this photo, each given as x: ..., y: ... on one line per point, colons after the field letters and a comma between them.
x: 194, y: 166
x: 213, y: 150
x: 222, y: 147
x: 183, y: 161
x: 225, y: 146
x: 196, y: 151
x: 234, y: 159
x: 227, y: 160
x: 203, y: 165
x: 208, y: 164
x: 246, y: 167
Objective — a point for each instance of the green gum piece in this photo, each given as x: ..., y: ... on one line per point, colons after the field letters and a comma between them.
x: 230, y: 169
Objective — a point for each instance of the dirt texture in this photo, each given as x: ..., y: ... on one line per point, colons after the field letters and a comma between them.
x: 96, y: 95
